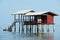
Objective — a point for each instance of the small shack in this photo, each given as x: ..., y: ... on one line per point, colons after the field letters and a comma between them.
x: 27, y: 19
x: 40, y: 18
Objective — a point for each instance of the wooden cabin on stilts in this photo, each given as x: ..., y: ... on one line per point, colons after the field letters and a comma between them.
x: 41, y: 18
x: 29, y: 19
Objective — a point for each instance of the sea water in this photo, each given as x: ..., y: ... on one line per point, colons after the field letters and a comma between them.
x: 31, y: 36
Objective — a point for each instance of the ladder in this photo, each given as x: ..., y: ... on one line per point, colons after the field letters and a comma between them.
x: 10, y: 27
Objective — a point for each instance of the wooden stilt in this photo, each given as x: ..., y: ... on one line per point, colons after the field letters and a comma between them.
x: 42, y: 28
x: 30, y: 24
x: 37, y: 28
x: 15, y: 28
x: 31, y: 28
x: 22, y: 23
x: 47, y: 28
x: 15, y: 23
x: 53, y: 29
x: 26, y: 28
x: 19, y: 26
x: 26, y: 24
x: 22, y: 30
x: 19, y: 23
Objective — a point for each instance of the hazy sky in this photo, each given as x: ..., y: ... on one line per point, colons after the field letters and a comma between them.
x: 7, y: 7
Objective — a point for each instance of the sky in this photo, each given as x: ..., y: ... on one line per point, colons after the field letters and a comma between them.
x: 8, y: 7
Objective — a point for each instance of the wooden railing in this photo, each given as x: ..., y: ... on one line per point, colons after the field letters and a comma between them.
x: 35, y: 22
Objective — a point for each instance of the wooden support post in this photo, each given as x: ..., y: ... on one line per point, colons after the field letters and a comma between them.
x: 30, y: 24
x: 26, y: 28
x: 22, y: 19
x: 19, y: 23
x: 32, y: 28
x: 15, y: 23
x: 53, y: 29
x: 42, y: 28
x: 37, y: 28
x: 47, y: 27
x: 25, y: 24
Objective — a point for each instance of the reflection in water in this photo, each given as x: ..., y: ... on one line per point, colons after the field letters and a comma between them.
x: 28, y: 36
x: 49, y: 36
x: 35, y: 36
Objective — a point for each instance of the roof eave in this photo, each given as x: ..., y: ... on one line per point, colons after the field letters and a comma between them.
x: 54, y: 14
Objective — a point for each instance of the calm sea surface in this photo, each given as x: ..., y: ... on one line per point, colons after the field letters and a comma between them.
x: 23, y: 36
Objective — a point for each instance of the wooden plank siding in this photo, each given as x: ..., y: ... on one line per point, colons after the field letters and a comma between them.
x: 50, y: 19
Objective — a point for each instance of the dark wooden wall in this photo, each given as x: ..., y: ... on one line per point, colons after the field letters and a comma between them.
x: 46, y: 19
